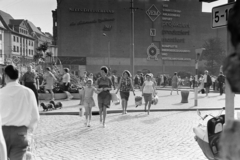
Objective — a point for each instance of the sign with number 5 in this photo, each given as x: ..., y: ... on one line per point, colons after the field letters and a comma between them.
x: 220, y: 15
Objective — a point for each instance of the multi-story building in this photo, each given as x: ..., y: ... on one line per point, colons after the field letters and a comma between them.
x: 92, y: 33
x: 2, y: 57
x: 21, y: 38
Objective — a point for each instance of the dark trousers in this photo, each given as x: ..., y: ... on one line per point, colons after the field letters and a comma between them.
x: 221, y: 88
x: 33, y: 87
x: 16, y: 141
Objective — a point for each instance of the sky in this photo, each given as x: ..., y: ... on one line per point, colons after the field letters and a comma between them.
x: 39, y: 12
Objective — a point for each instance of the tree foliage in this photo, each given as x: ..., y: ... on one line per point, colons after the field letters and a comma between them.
x: 213, y: 54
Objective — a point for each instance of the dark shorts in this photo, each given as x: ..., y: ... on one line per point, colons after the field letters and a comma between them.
x: 147, y: 97
x: 124, y: 95
x: 66, y: 87
x: 206, y: 85
x: 104, y: 101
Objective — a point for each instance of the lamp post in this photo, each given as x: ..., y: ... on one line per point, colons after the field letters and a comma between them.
x: 109, y: 50
x: 132, y: 37
x: 198, y: 55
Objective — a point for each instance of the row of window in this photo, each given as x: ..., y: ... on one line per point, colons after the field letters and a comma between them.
x: 23, y: 31
x: 22, y: 50
x: 16, y: 39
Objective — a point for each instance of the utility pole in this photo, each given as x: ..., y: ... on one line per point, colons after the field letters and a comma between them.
x: 132, y: 53
x: 132, y: 37
x: 229, y: 102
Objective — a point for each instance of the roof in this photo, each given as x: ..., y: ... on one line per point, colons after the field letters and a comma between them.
x: 6, y: 17
x: 34, y: 28
x: 16, y: 22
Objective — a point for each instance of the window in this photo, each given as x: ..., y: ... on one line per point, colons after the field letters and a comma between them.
x: 1, y: 53
x: 17, y: 49
x: 0, y: 36
x: 20, y: 40
x: 26, y: 51
x: 14, y: 48
x: 29, y: 51
x: 13, y: 38
x: 20, y: 49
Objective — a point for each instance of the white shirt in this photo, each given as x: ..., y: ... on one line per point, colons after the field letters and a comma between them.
x: 148, y: 87
x: 66, y: 78
x: 205, y: 78
x: 18, y: 106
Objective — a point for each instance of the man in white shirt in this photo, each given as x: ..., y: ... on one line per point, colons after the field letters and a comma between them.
x: 19, y: 113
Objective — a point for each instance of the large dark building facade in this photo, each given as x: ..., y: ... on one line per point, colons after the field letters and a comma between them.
x: 92, y: 33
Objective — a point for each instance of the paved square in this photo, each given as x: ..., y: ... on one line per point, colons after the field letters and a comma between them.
x: 134, y: 136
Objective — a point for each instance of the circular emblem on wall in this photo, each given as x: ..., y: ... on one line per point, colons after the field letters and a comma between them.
x: 152, y: 52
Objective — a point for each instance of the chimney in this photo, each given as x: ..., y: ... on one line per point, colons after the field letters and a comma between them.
x: 39, y: 28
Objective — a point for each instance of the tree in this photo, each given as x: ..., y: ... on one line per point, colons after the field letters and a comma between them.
x: 213, y: 54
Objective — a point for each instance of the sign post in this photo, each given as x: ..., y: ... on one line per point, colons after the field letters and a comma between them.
x: 219, y: 19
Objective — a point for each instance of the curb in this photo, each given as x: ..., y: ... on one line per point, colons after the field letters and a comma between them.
x: 130, y: 111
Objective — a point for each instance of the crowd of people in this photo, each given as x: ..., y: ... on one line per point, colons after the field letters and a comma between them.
x: 23, y: 92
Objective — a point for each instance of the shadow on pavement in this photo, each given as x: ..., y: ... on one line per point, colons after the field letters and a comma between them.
x: 178, y: 104
x: 151, y: 121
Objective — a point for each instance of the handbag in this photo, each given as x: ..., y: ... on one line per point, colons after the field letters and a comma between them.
x: 138, y: 101
x: 115, y: 99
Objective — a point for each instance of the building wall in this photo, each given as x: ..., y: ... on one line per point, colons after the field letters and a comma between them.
x: 80, y: 33
x: 1, y: 47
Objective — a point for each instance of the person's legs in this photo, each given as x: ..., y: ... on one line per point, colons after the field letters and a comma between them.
x: 126, y: 104
x: 100, y: 105
x: 123, y: 106
x: 90, y: 115
x: 86, y: 114
x: 177, y: 90
x: 149, y: 102
x: 146, y: 102
x: 52, y: 94
x: 104, y: 115
x: 207, y: 91
x: 221, y: 88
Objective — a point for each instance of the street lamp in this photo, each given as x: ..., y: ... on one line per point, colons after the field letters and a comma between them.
x: 109, y: 54
x: 198, y: 56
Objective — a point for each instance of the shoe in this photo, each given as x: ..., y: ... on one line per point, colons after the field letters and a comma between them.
x: 89, y: 125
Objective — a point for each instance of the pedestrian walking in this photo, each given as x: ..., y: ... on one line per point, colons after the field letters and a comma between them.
x: 125, y: 86
x: 88, y: 101
x: 104, y: 85
x: 3, y: 149
x: 191, y: 82
x: 213, y: 82
x: 221, y: 82
x: 20, y: 115
x: 49, y: 80
x: 148, y: 91
x: 175, y: 83
x: 207, y: 82
x: 66, y: 83
x: 30, y: 80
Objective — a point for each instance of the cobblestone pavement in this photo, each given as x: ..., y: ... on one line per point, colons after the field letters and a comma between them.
x: 134, y: 136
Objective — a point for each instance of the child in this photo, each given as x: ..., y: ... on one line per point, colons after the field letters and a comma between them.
x: 88, y: 101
